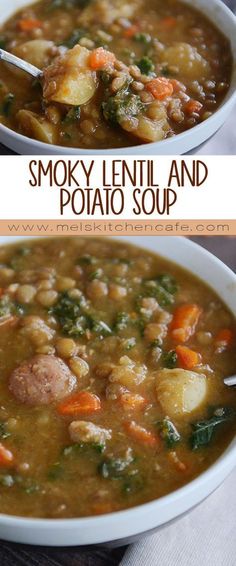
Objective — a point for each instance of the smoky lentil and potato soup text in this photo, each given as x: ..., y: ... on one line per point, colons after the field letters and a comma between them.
x: 112, y: 364
x: 115, y: 73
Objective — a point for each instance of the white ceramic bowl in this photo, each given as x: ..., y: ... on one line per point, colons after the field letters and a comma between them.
x: 124, y: 526
x: 223, y: 18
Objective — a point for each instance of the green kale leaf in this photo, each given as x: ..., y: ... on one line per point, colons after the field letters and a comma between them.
x: 203, y: 431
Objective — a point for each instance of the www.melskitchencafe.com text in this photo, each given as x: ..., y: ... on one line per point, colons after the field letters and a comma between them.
x: 117, y: 187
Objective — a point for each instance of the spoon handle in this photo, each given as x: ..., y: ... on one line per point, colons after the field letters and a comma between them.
x: 230, y: 380
x: 20, y: 63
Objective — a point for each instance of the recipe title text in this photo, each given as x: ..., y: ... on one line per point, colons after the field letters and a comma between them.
x: 114, y: 187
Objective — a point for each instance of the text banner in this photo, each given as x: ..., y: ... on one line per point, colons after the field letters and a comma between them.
x: 93, y: 188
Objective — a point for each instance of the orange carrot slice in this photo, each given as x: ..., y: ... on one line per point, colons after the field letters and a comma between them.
x: 160, y: 88
x: 169, y: 22
x: 29, y: 24
x: 225, y: 337
x: 140, y: 434
x: 81, y: 403
x: 193, y: 106
x: 8, y: 321
x: 184, y: 322
x: 6, y: 456
x: 187, y: 358
x: 132, y: 401
x: 174, y: 459
x: 100, y: 59
x: 131, y: 31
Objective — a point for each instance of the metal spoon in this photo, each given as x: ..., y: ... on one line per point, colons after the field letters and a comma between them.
x: 20, y: 63
x: 230, y: 380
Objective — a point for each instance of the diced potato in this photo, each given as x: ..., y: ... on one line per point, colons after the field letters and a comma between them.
x: 69, y: 80
x: 149, y: 130
x: 84, y: 431
x: 154, y: 128
x: 189, y: 62
x: 155, y: 331
x: 36, y: 330
x: 106, y: 12
x: 36, y: 127
x: 180, y: 391
x: 36, y: 52
x: 128, y: 373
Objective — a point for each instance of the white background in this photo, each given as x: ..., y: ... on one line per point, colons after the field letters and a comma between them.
x: 214, y: 199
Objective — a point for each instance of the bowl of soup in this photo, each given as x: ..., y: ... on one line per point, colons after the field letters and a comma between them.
x: 114, y: 416
x: 116, y: 77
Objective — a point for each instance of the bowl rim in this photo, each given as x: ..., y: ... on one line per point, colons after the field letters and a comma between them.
x: 227, y: 103
x: 222, y: 466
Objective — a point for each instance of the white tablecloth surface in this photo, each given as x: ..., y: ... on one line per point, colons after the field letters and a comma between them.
x: 224, y: 141
x: 206, y: 536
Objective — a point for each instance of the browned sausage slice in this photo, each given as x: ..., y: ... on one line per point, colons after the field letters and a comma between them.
x: 42, y: 380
